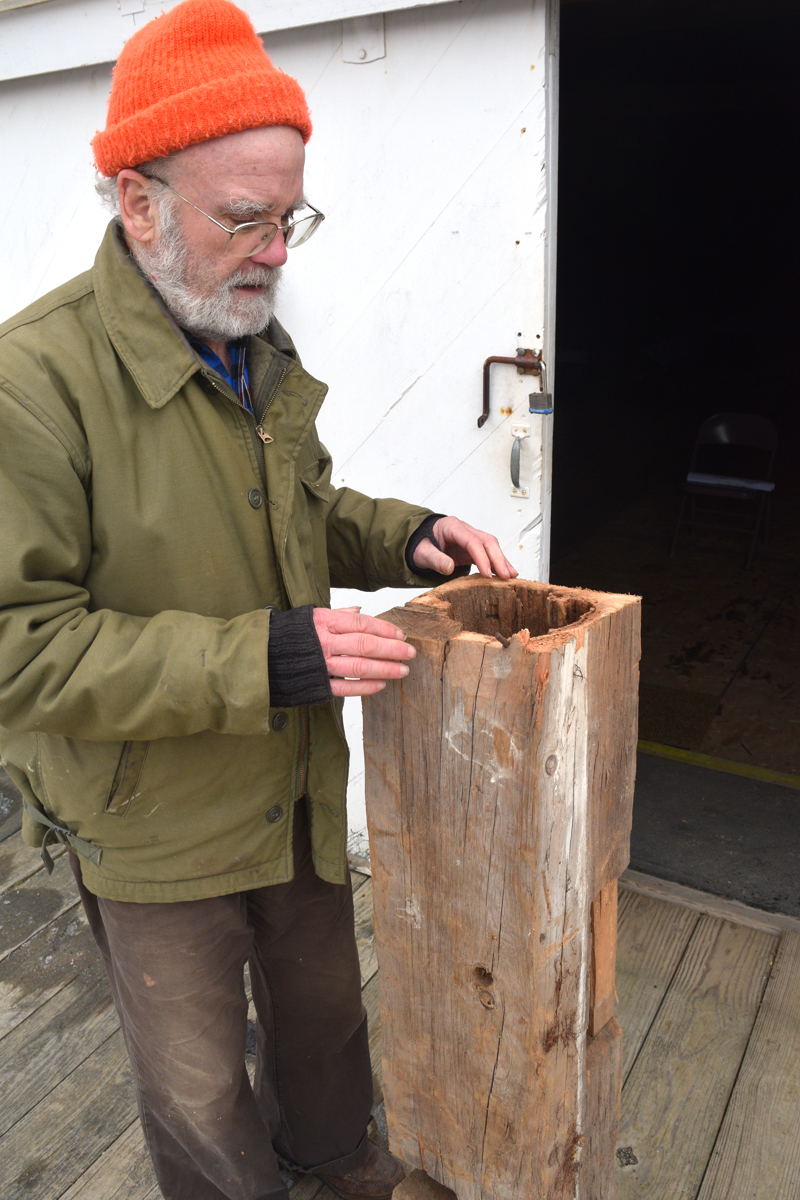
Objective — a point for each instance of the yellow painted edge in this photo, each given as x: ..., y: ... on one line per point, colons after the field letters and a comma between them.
x: 782, y: 778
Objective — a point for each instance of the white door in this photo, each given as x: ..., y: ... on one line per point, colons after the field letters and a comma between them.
x: 435, y: 167
x: 433, y: 157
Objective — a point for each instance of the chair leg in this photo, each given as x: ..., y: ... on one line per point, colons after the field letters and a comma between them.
x: 755, y: 531
x: 677, y: 527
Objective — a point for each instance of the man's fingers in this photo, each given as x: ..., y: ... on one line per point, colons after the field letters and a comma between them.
x: 469, y: 545
x: 428, y: 557
x: 364, y: 645
x: 356, y: 687
x: 342, y: 666
x: 352, y: 620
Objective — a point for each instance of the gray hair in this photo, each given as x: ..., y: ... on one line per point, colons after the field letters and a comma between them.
x: 106, y: 187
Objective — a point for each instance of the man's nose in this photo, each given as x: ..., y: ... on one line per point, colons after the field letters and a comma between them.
x: 273, y: 255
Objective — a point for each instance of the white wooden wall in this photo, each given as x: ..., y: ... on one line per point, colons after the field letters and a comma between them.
x: 430, y: 163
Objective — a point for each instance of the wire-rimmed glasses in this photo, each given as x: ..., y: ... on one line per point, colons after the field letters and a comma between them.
x: 250, y: 237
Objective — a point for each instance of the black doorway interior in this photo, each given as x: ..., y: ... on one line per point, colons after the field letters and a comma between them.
x: 678, y: 297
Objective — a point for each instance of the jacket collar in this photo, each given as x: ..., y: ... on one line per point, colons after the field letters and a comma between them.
x: 136, y: 317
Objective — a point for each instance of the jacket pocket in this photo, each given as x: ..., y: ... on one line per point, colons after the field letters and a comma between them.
x: 126, y: 777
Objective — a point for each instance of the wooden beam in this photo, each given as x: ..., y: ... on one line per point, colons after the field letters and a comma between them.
x: 419, y: 1186
x: 499, y: 780
x: 604, y: 958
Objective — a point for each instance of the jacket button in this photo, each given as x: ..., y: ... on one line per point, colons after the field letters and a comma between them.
x: 255, y: 498
x: 280, y: 721
x: 275, y: 814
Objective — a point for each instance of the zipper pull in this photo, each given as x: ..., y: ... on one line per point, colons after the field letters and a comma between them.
x: 264, y: 436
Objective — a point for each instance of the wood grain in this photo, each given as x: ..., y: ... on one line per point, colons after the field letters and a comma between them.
x: 651, y: 939
x: 122, y: 1172
x: 51, y: 1147
x: 19, y: 862
x: 715, y: 906
x: 612, y: 670
x: 41, y: 966
x: 675, y: 1097
x: 365, y: 935
x: 54, y: 1040
x: 419, y: 1186
x: 603, y: 1085
x: 10, y: 809
x: 28, y: 908
x: 370, y: 997
x: 604, y: 957
x: 757, y: 1154
x: 481, y: 849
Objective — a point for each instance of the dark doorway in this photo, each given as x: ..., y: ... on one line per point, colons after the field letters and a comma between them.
x: 679, y: 297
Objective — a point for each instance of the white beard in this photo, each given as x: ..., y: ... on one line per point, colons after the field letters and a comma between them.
x: 202, y: 304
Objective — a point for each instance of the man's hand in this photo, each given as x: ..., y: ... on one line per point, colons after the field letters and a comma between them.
x: 360, y: 652
x: 462, y: 545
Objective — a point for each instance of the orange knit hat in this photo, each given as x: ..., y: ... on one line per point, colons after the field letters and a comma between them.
x: 194, y: 73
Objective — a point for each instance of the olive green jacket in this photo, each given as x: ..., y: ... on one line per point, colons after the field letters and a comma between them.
x: 145, y: 529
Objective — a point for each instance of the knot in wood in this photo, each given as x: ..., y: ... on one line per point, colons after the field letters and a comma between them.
x: 550, y: 764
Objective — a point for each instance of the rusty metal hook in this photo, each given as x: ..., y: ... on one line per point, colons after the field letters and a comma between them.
x: 527, y: 363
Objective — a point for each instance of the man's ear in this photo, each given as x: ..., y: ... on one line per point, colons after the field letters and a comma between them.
x: 136, y: 206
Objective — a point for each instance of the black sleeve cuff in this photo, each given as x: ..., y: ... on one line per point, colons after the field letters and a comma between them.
x: 295, y: 662
x: 425, y: 530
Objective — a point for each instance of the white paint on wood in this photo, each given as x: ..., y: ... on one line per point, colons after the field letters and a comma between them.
x: 363, y: 39
x: 60, y: 35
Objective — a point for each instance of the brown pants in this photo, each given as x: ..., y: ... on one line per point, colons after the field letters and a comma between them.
x: 176, y: 975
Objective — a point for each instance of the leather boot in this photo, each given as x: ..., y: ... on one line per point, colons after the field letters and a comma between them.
x: 373, y: 1179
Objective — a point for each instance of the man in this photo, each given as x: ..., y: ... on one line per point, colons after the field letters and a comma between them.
x: 170, y: 668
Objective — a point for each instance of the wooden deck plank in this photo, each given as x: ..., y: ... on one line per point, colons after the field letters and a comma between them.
x: 19, y: 862
x: 686, y: 983
x: 706, y: 902
x: 28, y: 908
x: 358, y: 879
x: 47, y: 1047
x: 43, y: 965
x: 122, y: 1172
x: 757, y: 1155
x: 652, y: 937
x: 10, y: 809
x: 51, y: 1147
x: 677, y: 1092
x: 365, y: 934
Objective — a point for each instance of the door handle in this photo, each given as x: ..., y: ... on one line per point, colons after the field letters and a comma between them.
x: 527, y: 363
x: 519, y: 433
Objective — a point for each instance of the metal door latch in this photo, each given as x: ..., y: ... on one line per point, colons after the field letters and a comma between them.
x: 527, y: 362
x: 519, y: 433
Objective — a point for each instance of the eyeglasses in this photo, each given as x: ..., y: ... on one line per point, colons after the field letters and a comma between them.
x: 247, y: 239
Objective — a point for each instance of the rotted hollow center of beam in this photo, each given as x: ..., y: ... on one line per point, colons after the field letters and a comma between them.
x: 506, y: 609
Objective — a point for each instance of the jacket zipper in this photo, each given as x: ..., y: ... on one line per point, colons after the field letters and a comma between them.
x: 260, y: 427
x: 256, y: 430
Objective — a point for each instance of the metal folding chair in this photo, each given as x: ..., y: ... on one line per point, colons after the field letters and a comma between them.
x: 733, y: 458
